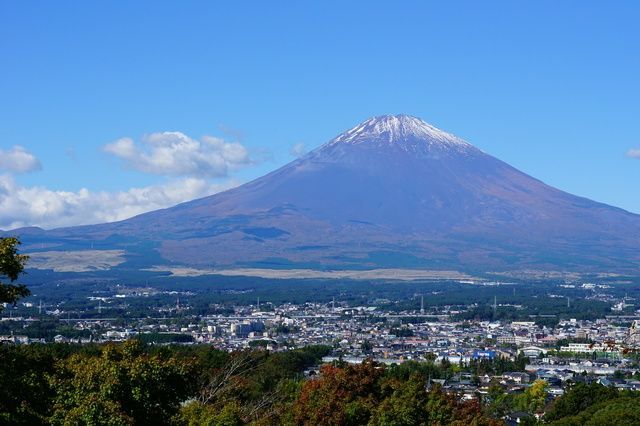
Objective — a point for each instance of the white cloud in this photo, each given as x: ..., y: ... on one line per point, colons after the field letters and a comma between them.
x: 176, y: 154
x: 298, y: 150
x: 18, y: 160
x: 634, y: 153
x: 39, y: 206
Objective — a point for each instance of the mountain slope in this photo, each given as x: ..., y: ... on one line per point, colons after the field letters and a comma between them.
x: 391, y: 192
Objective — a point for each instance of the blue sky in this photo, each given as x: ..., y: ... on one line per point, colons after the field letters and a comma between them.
x: 549, y: 87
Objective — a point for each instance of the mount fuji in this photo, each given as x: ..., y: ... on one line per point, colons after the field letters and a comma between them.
x: 392, y: 192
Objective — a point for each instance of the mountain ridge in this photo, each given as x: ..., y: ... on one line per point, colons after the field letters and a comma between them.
x: 392, y: 191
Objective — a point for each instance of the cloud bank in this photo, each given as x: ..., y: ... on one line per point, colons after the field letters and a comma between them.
x: 18, y: 160
x: 176, y: 154
x: 189, y: 165
x: 38, y: 206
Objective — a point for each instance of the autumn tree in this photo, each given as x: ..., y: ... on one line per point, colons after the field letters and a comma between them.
x: 341, y: 396
x: 368, y: 394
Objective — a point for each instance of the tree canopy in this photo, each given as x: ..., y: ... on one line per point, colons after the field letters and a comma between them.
x: 11, y: 266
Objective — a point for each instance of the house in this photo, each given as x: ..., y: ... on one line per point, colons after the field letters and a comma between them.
x: 516, y: 417
x: 516, y: 377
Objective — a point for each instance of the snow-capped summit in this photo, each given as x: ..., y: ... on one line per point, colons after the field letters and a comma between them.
x: 403, y: 130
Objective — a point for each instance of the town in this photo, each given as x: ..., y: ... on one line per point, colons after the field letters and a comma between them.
x: 510, y: 353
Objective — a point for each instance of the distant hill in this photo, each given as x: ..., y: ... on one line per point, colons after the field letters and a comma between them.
x: 393, y: 192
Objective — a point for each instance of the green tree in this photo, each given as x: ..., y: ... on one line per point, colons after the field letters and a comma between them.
x: 621, y: 411
x: 198, y: 414
x: 25, y: 395
x: 406, y: 405
x: 534, y: 398
x: 122, y: 385
x: 11, y: 266
x: 580, y: 397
